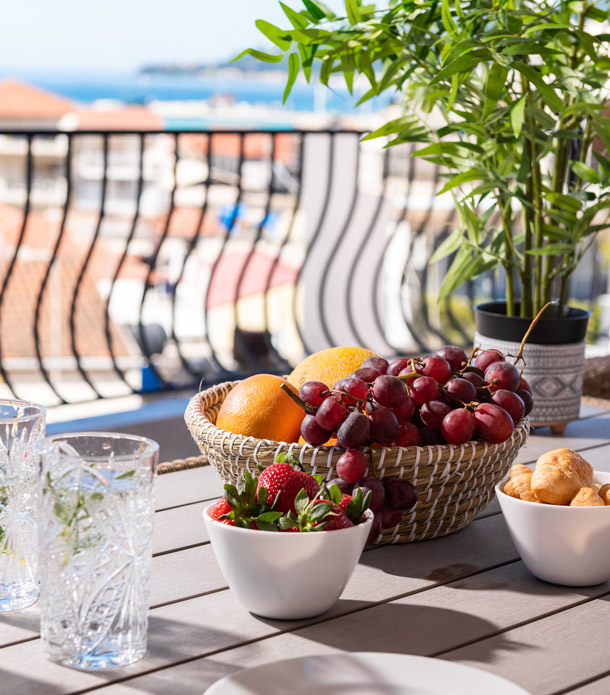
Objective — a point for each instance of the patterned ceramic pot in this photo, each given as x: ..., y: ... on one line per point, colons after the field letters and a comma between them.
x: 554, y: 357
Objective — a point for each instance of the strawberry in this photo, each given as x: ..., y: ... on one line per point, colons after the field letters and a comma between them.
x: 283, y: 483
x: 354, y: 506
x: 318, y: 514
x: 247, y: 506
x: 221, y: 508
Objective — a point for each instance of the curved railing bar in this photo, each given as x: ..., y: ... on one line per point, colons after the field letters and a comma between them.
x: 413, y: 329
x: 314, y: 238
x: 225, y: 240
x: 83, y: 269
x: 252, y: 359
x: 359, y: 254
x: 400, y: 219
x: 117, y: 272
x: 26, y: 212
x: 45, y: 279
x: 283, y: 243
x: 333, y: 254
x: 191, y: 247
x: 152, y: 260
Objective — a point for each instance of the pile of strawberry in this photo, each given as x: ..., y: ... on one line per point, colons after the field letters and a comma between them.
x: 286, y: 499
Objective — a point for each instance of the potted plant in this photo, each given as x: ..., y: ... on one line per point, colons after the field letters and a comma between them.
x: 521, y: 86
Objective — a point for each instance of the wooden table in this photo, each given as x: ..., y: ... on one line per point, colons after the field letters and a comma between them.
x: 465, y: 598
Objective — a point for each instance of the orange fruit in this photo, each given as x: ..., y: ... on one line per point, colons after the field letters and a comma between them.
x: 258, y: 407
x: 328, y: 366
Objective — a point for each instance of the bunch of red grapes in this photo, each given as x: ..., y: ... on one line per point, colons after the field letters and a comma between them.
x: 444, y: 398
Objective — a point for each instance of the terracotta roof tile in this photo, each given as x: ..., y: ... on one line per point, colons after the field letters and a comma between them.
x: 18, y: 100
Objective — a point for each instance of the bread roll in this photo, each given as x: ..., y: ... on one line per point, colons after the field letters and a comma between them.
x: 587, y: 497
x: 519, y: 484
x: 559, y: 475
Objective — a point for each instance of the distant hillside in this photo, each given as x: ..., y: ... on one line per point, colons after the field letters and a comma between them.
x: 246, y: 64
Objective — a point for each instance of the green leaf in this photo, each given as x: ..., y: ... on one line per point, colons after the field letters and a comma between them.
x: 551, y: 250
x: 126, y: 474
x: 396, y: 126
x: 586, y: 173
x: 464, y: 177
x: 296, y: 18
x: 321, y: 511
x: 597, y: 14
x: 293, y: 70
x: 274, y: 34
x: 301, y: 501
x: 603, y: 161
x: 259, y: 55
x: 448, y: 23
x: 494, y: 87
x: 314, y: 10
x: 461, y: 64
x: 335, y: 494
x: 564, y: 201
x: 536, y: 79
x: 353, y: 11
x: 448, y: 246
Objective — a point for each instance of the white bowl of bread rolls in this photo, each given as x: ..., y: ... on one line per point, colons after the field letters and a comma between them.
x: 558, y: 515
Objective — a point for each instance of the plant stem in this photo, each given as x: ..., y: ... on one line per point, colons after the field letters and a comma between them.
x: 506, y: 217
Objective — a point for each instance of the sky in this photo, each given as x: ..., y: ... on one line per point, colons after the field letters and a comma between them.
x: 124, y: 35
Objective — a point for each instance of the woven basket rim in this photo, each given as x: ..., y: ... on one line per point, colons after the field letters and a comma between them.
x: 196, y: 416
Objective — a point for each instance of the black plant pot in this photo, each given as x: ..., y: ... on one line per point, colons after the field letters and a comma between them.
x: 554, y: 357
x: 491, y: 320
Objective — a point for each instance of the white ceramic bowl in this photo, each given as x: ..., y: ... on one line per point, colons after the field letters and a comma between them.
x: 562, y: 545
x: 287, y: 575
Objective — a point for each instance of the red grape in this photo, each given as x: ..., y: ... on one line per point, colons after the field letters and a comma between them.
x: 312, y: 433
x: 367, y: 374
x: 352, y: 465
x: 383, y: 426
x: 408, y: 435
x: 330, y: 414
x: 454, y: 355
x: 390, y: 517
x: 396, y: 366
x: 462, y: 389
x: 354, y: 387
x: 433, y: 412
x: 511, y: 402
x: 345, y: 487
x: 493, y: 423
x: 377, y: 363
x: 524, y: 386
x: 389, y: 391
x: 527, y: 399
x: 474, y: 378
x: 424, y: 389
x: 399, y: 494
x: 375, y: 529
x: 314, y: 392
x: 404, y: 412
x: 436, y: 367
x: 502, y: 375
x: 353, y: 431
x: 376, y: 489
x: 458, y: 426
x: 487, y: 357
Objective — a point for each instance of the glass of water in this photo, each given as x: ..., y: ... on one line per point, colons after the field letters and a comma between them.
x: 22, y: 425
x: 96, y: 512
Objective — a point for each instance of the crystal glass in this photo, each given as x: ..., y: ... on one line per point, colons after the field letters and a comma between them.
x: 21, y: 427
x: 96, y: 514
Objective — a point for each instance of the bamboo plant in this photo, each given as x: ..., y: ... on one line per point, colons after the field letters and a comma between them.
x: 522, y: 86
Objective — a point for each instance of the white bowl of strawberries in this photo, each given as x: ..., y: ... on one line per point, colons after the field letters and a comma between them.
x: 286, y: 545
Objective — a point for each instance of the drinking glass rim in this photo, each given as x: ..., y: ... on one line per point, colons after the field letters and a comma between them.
x: 17, y: 402
x: 152, y: 447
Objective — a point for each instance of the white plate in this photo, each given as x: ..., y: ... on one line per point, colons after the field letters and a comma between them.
x: 363, y: 673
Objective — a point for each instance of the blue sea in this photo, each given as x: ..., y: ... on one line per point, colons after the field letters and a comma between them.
x: 142, y: 89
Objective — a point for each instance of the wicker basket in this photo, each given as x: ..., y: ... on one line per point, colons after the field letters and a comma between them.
x: 454, y: 483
